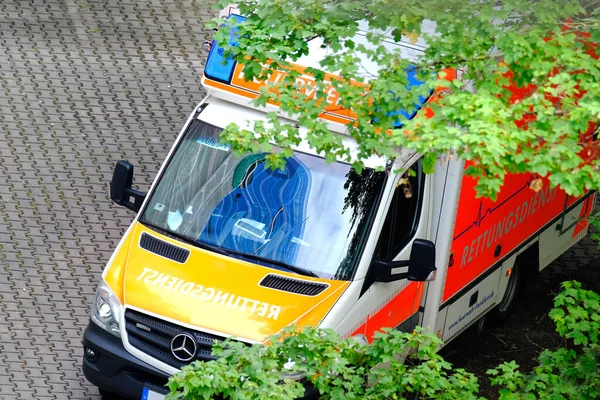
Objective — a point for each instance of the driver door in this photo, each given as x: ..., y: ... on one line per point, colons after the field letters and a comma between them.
x: 396, y: 304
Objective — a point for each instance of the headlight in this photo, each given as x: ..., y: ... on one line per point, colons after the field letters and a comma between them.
x: 106, y: 309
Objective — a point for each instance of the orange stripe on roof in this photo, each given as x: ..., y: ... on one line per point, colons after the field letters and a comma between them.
x: 340, y: 117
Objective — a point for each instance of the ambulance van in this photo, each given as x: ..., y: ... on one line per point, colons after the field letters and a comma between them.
x: 224, y: 247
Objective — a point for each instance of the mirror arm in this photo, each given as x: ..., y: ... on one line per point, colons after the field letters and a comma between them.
x: 384, y: 270
x: 138, y: 199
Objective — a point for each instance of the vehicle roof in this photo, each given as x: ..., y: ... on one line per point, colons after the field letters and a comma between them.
x: 409, y: 49
x: 368, y: 69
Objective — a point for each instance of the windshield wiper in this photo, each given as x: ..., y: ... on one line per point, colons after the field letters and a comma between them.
x: 229, y: 252
x: 293, y: 268
x: 185, y: 239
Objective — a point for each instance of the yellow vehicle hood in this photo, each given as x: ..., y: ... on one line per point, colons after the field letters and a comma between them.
x: 215, y: 292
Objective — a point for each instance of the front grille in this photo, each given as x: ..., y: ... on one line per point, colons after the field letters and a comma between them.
x: 164, y: 249
x: 286, y: 284
x: 155, y: 339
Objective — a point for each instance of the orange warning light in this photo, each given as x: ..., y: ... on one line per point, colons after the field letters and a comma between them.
x: 509, y: 272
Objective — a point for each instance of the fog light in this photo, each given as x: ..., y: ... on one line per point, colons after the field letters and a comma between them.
x: 90, y: 354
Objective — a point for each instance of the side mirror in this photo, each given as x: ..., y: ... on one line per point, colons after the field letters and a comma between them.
x: 120, y: 187
x: 421, y: 266
x: 422, y: 261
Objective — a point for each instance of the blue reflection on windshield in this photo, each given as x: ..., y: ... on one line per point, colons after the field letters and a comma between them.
x: 265, y: 213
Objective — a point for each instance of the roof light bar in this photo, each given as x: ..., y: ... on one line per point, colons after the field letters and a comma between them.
x: 217, y: 67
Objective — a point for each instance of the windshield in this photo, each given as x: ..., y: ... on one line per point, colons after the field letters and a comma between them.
x: 310, y: 215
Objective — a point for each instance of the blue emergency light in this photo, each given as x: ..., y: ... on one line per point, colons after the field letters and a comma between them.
x: 217, y: 67
x: 413, y: 81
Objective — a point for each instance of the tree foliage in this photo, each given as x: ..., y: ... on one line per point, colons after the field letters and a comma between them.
x: 337, y: 368
x: 566, y: 373
x: 527, y: 86
x: 396, y: 365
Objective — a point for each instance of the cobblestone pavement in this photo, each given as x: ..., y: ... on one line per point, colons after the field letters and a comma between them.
x: 83, y: 83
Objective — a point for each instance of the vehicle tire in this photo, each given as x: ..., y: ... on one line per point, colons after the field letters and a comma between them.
x: 106, y: 395
x: 511, y: 296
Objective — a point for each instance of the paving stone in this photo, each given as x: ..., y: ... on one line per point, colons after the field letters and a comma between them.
x: 83, y: 84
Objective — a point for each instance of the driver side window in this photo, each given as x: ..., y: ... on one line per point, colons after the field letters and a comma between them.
x: 402, y: 219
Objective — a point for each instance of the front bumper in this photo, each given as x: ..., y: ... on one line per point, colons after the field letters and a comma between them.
x: 113, y: 369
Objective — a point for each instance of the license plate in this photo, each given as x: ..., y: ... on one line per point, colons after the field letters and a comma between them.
x: 148, y: 394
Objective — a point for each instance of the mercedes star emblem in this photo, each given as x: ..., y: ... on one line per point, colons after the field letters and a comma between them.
x: 184, y: 347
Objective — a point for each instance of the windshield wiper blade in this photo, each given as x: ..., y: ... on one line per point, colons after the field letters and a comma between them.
x: 293, y: 268
x: 229, y: 252
x: 210, y: 247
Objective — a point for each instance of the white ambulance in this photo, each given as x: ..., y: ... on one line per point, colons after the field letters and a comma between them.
x: 222, y: 246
